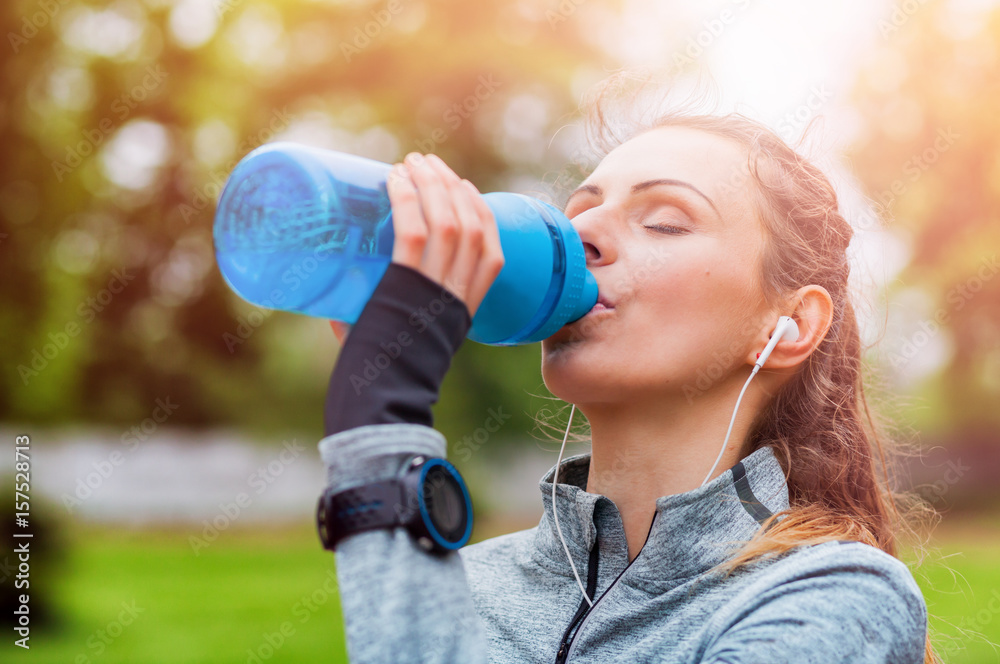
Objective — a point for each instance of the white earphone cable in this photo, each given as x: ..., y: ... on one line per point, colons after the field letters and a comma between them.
x: 555, y: 476
x: 731, y: 421
x: 776, y: 336
x: 785, y: 329
x: 555, y: 512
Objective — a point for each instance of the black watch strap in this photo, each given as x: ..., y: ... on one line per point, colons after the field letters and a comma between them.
x: 366, y: 507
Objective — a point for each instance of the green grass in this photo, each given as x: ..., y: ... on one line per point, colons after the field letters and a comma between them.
x: 214, y: 607
x: 960, y: 580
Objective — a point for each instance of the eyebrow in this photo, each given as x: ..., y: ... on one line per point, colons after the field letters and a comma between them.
x: 636, y: 188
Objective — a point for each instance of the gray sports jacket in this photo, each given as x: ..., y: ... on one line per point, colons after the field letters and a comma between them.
x: 513, y: 598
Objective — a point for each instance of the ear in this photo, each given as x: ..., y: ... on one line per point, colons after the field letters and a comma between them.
x: 814, y: 315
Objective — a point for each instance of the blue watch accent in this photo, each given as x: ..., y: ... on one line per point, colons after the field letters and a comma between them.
x: 431, y: 528
x: 407, y: 500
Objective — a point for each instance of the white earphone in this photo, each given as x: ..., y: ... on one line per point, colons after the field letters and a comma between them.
x: 786, y: 329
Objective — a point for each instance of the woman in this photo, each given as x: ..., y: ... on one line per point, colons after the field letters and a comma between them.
x: 701, y: 232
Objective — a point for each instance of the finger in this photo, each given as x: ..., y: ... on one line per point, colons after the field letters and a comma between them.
x: 470, y: 241
x: 442, y: 224
x: 408, y: 225
x: 491, y: 259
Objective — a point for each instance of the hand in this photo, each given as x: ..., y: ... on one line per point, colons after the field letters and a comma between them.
x: 443, y: 228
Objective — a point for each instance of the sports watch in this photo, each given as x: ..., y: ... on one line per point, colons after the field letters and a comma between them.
x: 428, y: 497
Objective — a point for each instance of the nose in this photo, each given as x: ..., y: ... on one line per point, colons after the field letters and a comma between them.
x: 598, y: 242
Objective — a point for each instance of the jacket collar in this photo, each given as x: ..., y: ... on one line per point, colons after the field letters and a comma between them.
x: 691, y: 532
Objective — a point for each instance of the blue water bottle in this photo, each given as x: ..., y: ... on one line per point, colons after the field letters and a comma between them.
x: 309, y: 230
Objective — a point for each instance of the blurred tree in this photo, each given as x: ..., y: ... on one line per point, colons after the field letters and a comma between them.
x: 930, y: 155
x: 121, y: 120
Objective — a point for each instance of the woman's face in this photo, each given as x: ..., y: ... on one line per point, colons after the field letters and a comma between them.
x: 687, y: 308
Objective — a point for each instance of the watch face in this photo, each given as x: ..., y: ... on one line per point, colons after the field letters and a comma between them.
x: 445, y: 503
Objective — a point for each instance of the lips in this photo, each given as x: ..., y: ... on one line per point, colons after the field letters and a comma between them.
x: 602, y: 304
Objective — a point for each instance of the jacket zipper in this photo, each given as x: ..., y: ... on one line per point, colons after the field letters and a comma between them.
x: 591, y: 587
x: 566, y: 648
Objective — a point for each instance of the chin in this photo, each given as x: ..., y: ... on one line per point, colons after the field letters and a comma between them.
x: 564, y: 352
x: 573, y: 375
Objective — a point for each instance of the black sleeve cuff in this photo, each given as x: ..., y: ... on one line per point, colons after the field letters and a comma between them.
x: 392, y: 364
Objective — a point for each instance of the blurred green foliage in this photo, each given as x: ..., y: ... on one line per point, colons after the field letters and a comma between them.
x: 928, y: 153
x: 121, y: 119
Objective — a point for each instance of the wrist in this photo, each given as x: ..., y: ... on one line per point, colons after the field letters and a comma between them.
x: 392, y: 364
x: 376, y: 452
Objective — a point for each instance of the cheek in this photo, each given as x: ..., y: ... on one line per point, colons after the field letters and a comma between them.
x: 679, y: 307
x: 709, y: 277
x: 690, y: 307
x: 676, y: 291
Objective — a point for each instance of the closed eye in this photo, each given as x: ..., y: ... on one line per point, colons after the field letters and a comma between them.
x: 670, y: 230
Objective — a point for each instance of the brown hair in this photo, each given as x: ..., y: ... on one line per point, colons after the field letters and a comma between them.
x: 834, y: 449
